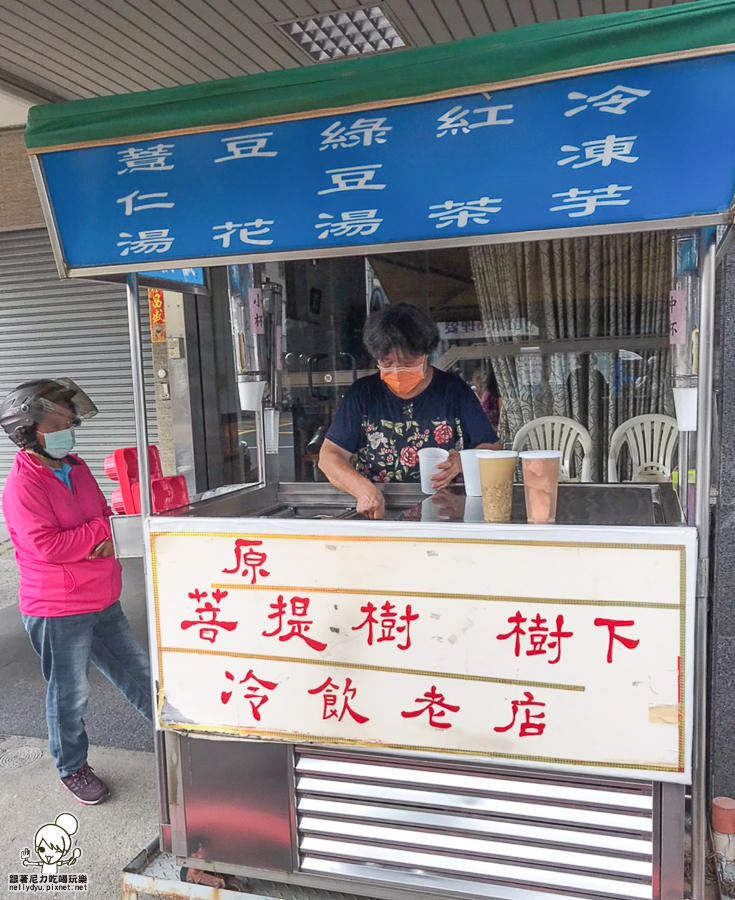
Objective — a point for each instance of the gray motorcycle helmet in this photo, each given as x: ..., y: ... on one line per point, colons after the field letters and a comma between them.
x: 28, y: 405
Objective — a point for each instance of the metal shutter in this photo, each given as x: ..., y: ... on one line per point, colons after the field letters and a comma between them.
x: 51, y: 328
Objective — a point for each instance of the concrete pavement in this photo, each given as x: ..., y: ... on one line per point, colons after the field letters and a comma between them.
x: 31, y: 795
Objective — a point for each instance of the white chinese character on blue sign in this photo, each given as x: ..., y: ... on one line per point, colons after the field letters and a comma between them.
x: 604, y: 151
x: 583, y: 203
x: 460, y: 212
x: 250, y: 232
x: 353, y: 178
x: 145, y: 159
x: 363, y: 132
x: 456, y: 119
x: 350, y: 224
x: 613, y: 101
x: 132, y: 203
x: 246, y: 145
x: 155, y: 241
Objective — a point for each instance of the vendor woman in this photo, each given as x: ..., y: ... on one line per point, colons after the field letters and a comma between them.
x: 386, y: 418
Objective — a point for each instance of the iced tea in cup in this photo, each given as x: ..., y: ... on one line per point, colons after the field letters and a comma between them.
x: 429, y: 459
x: 496, y: 482
x: 541, y: 484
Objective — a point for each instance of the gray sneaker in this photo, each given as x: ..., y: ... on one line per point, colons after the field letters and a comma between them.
x: 86, y: 786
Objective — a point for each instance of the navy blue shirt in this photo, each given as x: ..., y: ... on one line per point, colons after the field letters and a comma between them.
x: 387, y: 432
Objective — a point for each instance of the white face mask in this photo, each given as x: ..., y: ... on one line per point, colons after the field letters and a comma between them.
x: 59, y: 444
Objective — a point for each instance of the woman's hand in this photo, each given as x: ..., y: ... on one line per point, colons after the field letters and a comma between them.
x: 370, y: 501
x: 103, y: 550
x: 447, y: 471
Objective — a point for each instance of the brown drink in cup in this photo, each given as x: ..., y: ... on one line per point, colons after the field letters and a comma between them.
x: 496, y: 482
x: 541, y: 485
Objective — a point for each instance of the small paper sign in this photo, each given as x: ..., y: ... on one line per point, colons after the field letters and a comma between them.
x: 677, y: 317
x: 255, y: 301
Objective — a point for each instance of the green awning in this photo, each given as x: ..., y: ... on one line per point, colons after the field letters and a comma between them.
x: 522, y: 53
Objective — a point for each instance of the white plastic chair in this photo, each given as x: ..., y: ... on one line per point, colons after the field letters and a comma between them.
x: 651, y: 441
x: 558, y: 433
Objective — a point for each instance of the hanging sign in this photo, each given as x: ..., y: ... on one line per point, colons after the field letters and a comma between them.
x: 578, y: 152
x: 157, y: 313
x: 568, y: 652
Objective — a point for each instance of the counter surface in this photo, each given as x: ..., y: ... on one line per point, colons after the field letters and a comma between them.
x: 578, y: 504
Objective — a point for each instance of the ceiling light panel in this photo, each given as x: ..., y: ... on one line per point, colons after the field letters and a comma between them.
x: 345, y: 33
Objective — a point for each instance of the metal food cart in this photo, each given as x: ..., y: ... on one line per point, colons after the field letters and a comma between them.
x: 355, y: 706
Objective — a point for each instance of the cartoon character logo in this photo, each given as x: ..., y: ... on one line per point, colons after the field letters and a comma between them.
x: 52, y: 844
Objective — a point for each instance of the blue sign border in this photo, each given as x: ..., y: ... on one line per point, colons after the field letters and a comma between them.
x: 569, y: 156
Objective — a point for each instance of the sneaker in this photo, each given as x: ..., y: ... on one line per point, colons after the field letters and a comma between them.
x: 86, y: 786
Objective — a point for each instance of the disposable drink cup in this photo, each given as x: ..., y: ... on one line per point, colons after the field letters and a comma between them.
x: 496, y: 481
x: 541, y: 485
x: 429, y: 459
x: 471, y: 470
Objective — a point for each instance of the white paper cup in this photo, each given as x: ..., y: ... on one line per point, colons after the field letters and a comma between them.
x: 471, y: 470
x: 429, y: 459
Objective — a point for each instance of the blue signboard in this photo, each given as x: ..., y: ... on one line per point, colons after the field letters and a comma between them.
x: 177, y: 276
x: 640, y: 144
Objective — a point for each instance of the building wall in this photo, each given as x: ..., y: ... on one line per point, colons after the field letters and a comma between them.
x: 722, y: 612
x: 19, y: 204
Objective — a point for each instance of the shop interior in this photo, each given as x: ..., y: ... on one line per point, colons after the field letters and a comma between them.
x: 566, y: 342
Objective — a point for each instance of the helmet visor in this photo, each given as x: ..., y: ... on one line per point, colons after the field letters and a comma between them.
x: 61, y: 399
x: 82, y: 405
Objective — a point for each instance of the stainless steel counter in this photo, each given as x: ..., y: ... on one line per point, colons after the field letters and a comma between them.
x: 579, y: 504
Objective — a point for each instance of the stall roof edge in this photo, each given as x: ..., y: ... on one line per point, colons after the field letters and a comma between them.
x: 498, y: 58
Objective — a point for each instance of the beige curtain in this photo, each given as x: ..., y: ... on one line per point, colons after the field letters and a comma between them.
x: 578, y: 290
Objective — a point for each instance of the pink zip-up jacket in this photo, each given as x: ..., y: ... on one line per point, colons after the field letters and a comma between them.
x: 53, y: 531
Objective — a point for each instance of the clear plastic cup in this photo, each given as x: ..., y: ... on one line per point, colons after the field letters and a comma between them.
x: 429, y: 459
x: 541, y: 485
x: 496, y: 480
x: 471, y: 470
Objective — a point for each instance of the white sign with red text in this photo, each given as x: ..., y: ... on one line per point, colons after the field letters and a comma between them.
x: 555, y: 646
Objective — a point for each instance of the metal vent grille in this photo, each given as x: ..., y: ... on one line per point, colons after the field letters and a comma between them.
x: 472, y: 832
x: 343, y: 33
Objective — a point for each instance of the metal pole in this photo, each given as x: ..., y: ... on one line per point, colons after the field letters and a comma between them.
x: 700, y: 799
x: 141, y: 421
x: 144, y: 479
x: 683, y: 484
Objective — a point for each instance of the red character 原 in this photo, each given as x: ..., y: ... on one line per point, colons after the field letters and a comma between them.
x: 250, y: 559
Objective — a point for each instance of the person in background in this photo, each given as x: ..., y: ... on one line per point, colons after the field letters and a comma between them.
x: 488, y: 393
x: 386, y: 418
x: 70, y: 581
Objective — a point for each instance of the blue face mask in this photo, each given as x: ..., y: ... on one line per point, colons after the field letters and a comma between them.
x: 59, y: 443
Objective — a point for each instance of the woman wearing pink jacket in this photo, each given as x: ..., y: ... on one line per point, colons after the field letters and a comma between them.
x: 70, y: 581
